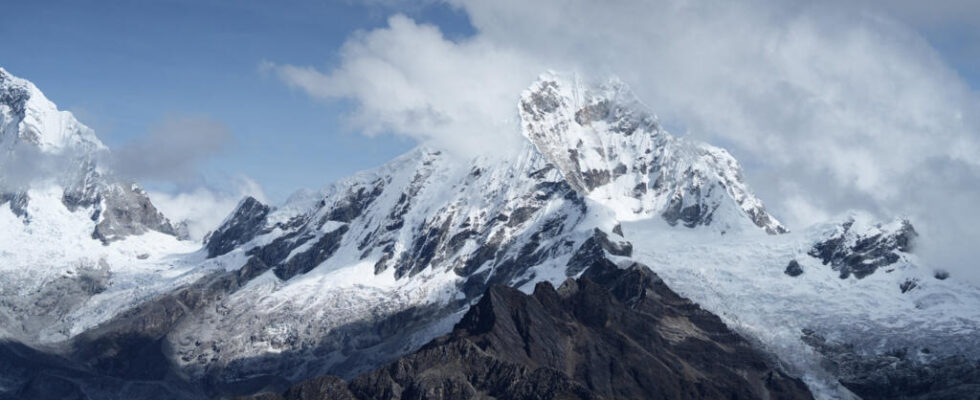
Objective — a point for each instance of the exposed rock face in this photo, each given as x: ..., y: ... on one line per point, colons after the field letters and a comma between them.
x: 244, y: 223
x: 613, y: 333
x: 305, y: 261
x: 594, y: 248
x: 860, y: 250
x: 901, y: 373
x: 128, y: 211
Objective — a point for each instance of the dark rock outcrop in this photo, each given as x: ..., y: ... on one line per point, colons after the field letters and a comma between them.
x: 613, y: 333
x: 861, y: 253
x: 908, y: 285
x: 307, y: 260
x: 243, y: 225
x: 793, y: 269
x: 593, y: 249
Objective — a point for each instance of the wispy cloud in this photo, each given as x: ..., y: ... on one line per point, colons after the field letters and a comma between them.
x: 172, y: 150
x: 203, y: 208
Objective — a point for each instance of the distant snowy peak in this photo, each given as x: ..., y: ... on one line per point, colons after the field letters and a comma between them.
x: 612, y: 150
x: 63, y: 152
x: 27, y: 116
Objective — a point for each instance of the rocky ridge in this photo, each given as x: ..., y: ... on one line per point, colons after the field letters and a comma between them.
x: 613, y: 333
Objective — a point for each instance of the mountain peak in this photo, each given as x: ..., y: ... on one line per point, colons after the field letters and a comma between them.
x: 27, y: 116
x: 33, y: 128
x: 612, y: 149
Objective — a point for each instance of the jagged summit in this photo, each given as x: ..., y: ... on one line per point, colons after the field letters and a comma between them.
x: 610, y: 148
x: 27, y: 116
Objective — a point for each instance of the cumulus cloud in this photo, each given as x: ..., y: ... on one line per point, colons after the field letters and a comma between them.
x: 408, y: 79
x: 172, y: 150
x: 202, y: 209
x: 830, y: 106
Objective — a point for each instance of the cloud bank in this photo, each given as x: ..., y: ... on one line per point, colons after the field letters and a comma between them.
x: 829, y: 107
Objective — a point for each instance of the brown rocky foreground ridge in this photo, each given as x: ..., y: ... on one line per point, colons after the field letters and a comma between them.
x: 614, y: 333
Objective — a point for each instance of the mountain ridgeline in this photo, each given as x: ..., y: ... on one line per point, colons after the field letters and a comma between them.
x: 530, y: 275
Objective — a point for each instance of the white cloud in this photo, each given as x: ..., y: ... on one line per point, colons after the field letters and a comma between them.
x: 408, y: 79
x: 203, y: 208
x: 844, y: 105
x: 800, y: 211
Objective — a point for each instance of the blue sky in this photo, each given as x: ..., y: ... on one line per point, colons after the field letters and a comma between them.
x: 124, y: 66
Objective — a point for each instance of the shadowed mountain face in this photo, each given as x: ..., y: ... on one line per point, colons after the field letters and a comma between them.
x: 612, y: 333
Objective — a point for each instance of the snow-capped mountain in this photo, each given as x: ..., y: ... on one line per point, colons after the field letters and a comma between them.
x: 67, y: 154
x: 342, y: 280
x: 29, y: 117
x: 427, y: 233
x: 60, y: 208
x: 609, y: 148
